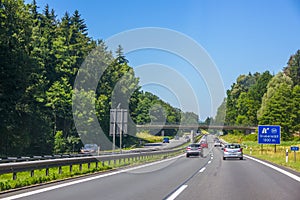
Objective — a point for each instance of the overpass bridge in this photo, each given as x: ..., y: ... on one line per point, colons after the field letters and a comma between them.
x: 195, y: 126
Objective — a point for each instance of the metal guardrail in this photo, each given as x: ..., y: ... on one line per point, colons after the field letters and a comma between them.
x: 16, y: 167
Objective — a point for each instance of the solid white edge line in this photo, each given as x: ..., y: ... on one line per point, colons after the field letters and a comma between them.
x: 85, y: 180
x: 293, y: 176
x: 209, y: 162
x: 177, y: 192
x: 202, y: 170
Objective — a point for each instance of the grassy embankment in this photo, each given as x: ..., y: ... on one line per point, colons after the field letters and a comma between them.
x: 148, y: 137
x: 267, y: 152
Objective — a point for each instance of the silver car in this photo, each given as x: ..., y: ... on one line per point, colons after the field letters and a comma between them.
x: 194, y: 149
x: 232, y: 151
x: 217, y: 143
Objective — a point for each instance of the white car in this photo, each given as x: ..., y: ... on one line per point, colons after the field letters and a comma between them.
x: 217, y: 143
x: 232, y: 151
x: 89, y: 149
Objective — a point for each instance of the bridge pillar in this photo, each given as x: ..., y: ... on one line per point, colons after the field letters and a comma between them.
x: 192, y: 136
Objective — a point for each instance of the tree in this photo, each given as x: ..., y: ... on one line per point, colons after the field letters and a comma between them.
x: 293, y: 68
x: 59, y: 99
x: 221, y: 113
x: 296, y: 109
x: 254, y: 97
x: 15, y: 67
x: 59, y: 142
x: 120, y: 59
x: 276, y: 108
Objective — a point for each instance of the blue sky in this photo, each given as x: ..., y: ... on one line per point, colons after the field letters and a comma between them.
x: 239, y: 36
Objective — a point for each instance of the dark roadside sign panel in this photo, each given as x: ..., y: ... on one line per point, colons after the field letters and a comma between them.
x: 294, y: 148
x: 269, y: 134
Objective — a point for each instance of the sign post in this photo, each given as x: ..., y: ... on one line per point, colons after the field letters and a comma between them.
x: 118, y: 125
x: 268, y: 134
x: 294, y: 148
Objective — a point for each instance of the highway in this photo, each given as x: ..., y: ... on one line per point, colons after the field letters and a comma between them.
x: 178, y: 178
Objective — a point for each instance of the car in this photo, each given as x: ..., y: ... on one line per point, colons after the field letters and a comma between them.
x: 232, y: 151
x: 194, y: 149
x: 217, y: 143
x: 166, y: 140
x: 203, y: 144
x: 89, y: 149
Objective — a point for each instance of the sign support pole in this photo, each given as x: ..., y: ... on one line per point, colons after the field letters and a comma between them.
x: 121, y: 130
x: 114, y: 132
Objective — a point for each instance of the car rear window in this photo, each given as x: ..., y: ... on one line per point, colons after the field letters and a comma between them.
x: 233, y: 146
x: 195, y: 145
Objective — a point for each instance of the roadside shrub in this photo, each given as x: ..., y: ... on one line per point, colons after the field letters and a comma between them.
x: 250, y: 137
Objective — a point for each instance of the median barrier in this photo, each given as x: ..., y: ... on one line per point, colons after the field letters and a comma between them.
x: 30, y: 166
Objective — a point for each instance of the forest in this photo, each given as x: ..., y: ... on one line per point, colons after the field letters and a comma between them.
x: 265, y: 99
x: 40, y: 57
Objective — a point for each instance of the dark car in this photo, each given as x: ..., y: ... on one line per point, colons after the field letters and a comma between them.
x: 166, y: 140
x: 194, y: 149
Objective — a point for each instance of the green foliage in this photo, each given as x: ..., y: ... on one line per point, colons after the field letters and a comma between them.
x: 221, y: 113
x: 276, y: 108
x: 59, y: 142
x: 40, y: 58
x: 243, y: 100
x: 296, y: 109
x: 293, y: 68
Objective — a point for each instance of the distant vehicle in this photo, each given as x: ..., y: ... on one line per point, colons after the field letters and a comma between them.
x: 203, y: 144
x: 166, y: 140
x: 89, y: 149
x: 194, y: 149
x: 217, y: 143
x: 232, y: 151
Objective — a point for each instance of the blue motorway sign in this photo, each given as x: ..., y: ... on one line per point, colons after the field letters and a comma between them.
x: 268, y: 134
x: 294, y: 148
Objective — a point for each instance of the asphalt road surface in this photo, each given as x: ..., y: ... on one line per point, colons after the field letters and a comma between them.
x: 178, y: 178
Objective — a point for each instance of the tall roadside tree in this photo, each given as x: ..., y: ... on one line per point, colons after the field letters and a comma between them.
x: 296, y: 110
x: 293, y: 68
x: 15, y: 70
x: 236, y: 99
x: 277, y: 105
x: 221, y: 114
x: 39, y: 120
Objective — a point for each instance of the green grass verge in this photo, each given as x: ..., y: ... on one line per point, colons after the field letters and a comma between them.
x: 148, y: 137
x: 267, y: 152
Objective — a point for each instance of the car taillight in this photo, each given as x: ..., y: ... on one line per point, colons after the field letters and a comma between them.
x: 199, y: 148
x: 241, y: 150
x: 225, y: 150
x: 188, y: 148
